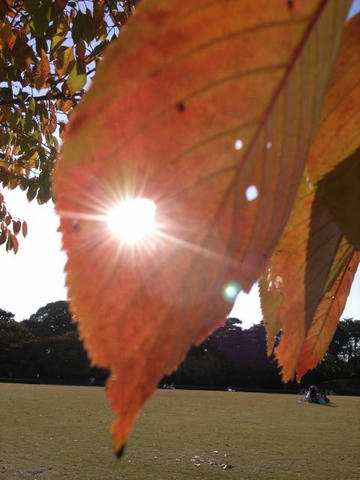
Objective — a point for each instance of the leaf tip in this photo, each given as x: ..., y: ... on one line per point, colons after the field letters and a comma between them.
x: 120, y: 451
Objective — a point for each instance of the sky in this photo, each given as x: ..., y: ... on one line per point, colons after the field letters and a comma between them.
x: 35, y: 276
x: 355, y: 7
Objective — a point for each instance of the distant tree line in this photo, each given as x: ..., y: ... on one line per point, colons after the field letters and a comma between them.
x: 46, y: 347
x: 236, y: 358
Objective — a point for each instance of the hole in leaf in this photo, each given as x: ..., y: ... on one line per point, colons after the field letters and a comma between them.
x: 75, y: 225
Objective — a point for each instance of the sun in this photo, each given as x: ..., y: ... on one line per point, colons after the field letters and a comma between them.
x: 132, y: 220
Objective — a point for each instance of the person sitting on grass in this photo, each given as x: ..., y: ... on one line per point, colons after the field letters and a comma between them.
x: 311, y: 394
x: 322, y: 398
x: 314, y: 396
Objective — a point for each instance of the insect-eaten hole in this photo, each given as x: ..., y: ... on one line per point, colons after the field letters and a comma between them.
x: 75, y: 225
x: 180, y: 107
x: 251, y: 193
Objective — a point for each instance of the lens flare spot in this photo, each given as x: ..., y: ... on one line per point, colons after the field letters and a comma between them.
x: 238, y: 145
x: 251, y: 193
x: 132, y: 220
x: 231, y: 291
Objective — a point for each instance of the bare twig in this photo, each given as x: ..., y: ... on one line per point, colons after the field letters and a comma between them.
x: 19, y: 132
x: 56, y: 96
x: 112, y: 15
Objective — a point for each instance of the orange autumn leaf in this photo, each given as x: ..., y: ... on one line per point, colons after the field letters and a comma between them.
x: 297, y: 275
x: 338, y: 137
x: 208, y: 110
x: 65, y: 60
x: 42, y: 71
x: 24, y: 228
x: 312, y: 250
x: 326, y: 318
x: 270, y: 299
x: 294, y: 290
x: 15, y: 243
x: 53, y: 120
x: 16, y: 226
x: 339, y: 126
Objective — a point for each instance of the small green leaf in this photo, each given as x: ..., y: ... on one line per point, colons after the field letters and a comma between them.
x: 5, y: 33
x: 61, y: 30
x: 78, y: 27
x: 40, y: 20
x: 32, y: 105
x: 77, y: 78
x: 64, y: 60
x: 83, y: 27
x: 4, y: 138
x: 6, y: 93
x: 31, y: 5
x: 31, y: 193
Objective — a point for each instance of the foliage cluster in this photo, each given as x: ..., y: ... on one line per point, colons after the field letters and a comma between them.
x: 49, y: 51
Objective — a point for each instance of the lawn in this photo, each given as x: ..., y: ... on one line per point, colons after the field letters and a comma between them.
x: 58, y: 432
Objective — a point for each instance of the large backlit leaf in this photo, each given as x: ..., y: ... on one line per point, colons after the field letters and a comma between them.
x: 208, y: 109
x: 313, y: 250
x: 326, y: 318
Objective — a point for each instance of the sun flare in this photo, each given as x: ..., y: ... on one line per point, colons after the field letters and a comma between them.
x: 133, y: 220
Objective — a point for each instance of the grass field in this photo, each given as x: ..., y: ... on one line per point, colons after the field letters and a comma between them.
x: 57, y: 432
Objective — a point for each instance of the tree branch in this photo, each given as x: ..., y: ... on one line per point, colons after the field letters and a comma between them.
x: 112, y: 15
x: 128, y: 7
x: 51, y: 150
x: 56, y: 96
